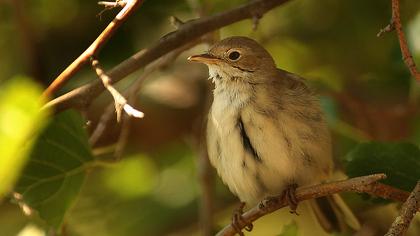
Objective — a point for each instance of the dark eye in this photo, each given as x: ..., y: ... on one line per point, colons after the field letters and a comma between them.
x: 234, y: 55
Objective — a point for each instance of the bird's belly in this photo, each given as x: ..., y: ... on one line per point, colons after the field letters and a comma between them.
x: 238, y: 169
x: 282, y: 155
x: 249, y: 178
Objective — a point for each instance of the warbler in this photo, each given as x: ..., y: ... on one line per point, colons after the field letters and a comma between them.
x: 266, y: 132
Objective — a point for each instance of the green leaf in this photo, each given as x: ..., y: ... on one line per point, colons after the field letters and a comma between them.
x: 290, y: 230
x: 399, y: 161
x: 54, y: 175
x: 21, y: 119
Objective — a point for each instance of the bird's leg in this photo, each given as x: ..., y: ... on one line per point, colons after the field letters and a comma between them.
x: 238, y: 220
x: 289, y: 195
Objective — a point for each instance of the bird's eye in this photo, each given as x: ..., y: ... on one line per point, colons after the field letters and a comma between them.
x: 234, y: 55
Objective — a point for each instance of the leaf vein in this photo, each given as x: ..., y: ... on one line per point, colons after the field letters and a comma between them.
x: 48, y: 164
x: 66, y: 150
x: 52, y: 178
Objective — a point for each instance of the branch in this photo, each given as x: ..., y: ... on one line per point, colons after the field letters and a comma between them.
x: 82, y: 97
x: 93, y: 49
x: 117, y: 3
x: 408, y: 211
x: 206, y: 180
x: 364, y: 184
x: 395, y: 24
x: 131, y: 93
x: 119, y: 100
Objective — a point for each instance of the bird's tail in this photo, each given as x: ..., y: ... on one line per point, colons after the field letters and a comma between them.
x: 333, y: 214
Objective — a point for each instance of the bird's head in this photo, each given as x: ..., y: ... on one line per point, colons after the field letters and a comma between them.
x: 238, y: 59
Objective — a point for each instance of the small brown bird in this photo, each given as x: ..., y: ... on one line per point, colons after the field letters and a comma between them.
x: 266, y: 132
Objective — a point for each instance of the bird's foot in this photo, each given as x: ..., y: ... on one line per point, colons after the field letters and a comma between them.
x: 238, y: 220
x: 289, y: 195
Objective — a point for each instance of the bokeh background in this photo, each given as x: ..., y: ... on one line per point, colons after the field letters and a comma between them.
x: 366, y: 91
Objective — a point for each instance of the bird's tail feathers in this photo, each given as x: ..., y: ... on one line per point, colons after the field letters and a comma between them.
x: 333, y: 214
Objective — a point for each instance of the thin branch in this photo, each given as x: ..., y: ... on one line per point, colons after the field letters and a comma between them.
x: 408, y: 211
x: 206, y: 178
x: 103, y: 123
x: 82, y: 97
x: 396, y: 25
x: 205, y: 172
x: 385, y: 191
x: 117, y: 3
x: 94, y: 48
x: 119, y: 100
x: 131, y: 93
x: 110, y: 5
x: 176, y: 22
x: 365, y: 184
x: 123, y: 138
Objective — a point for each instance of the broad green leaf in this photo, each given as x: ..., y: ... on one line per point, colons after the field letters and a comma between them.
x: 21, y: 119
x: 55, y: 172
x: 399, y: 161
x: 290, y: 230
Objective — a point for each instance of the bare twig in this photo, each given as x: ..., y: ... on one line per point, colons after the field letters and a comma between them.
x: 207, y: 197
x: 94, y: 48
x: 255, y: 22
x: 102, y: 124
x: 389, y: 28
x: 176, y: 22
x: 408, y: 211
x: 116, y: 3
x: 110, y: 5
x: 385, y: 191
x: 131, y: 93
x: 205, y: 173
x: 365, y: 184
x: 119, y: 100
x: 123, y: 138
x: 396, y: 25
x: 83, y: 96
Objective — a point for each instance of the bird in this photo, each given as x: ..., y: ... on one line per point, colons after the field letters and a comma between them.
x: 266, y: 131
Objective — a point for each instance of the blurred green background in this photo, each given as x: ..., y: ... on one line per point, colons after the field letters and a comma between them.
x: 365, y: 88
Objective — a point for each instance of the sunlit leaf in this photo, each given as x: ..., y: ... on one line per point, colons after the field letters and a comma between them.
x: 399, y: 161
x: 21, y: 119
x: 57, y: 167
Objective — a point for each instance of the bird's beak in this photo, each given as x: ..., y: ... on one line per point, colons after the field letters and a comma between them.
x: 203, y: 58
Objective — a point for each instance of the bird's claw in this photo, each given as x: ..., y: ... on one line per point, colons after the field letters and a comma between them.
x: 238, y: 220
x: 289, y: 195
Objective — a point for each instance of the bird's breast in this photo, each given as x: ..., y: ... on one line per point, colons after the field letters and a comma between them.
x: 257, y: 154
x: 247, y: 150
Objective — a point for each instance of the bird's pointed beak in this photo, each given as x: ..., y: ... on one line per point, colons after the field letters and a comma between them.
x: 203, y: 58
